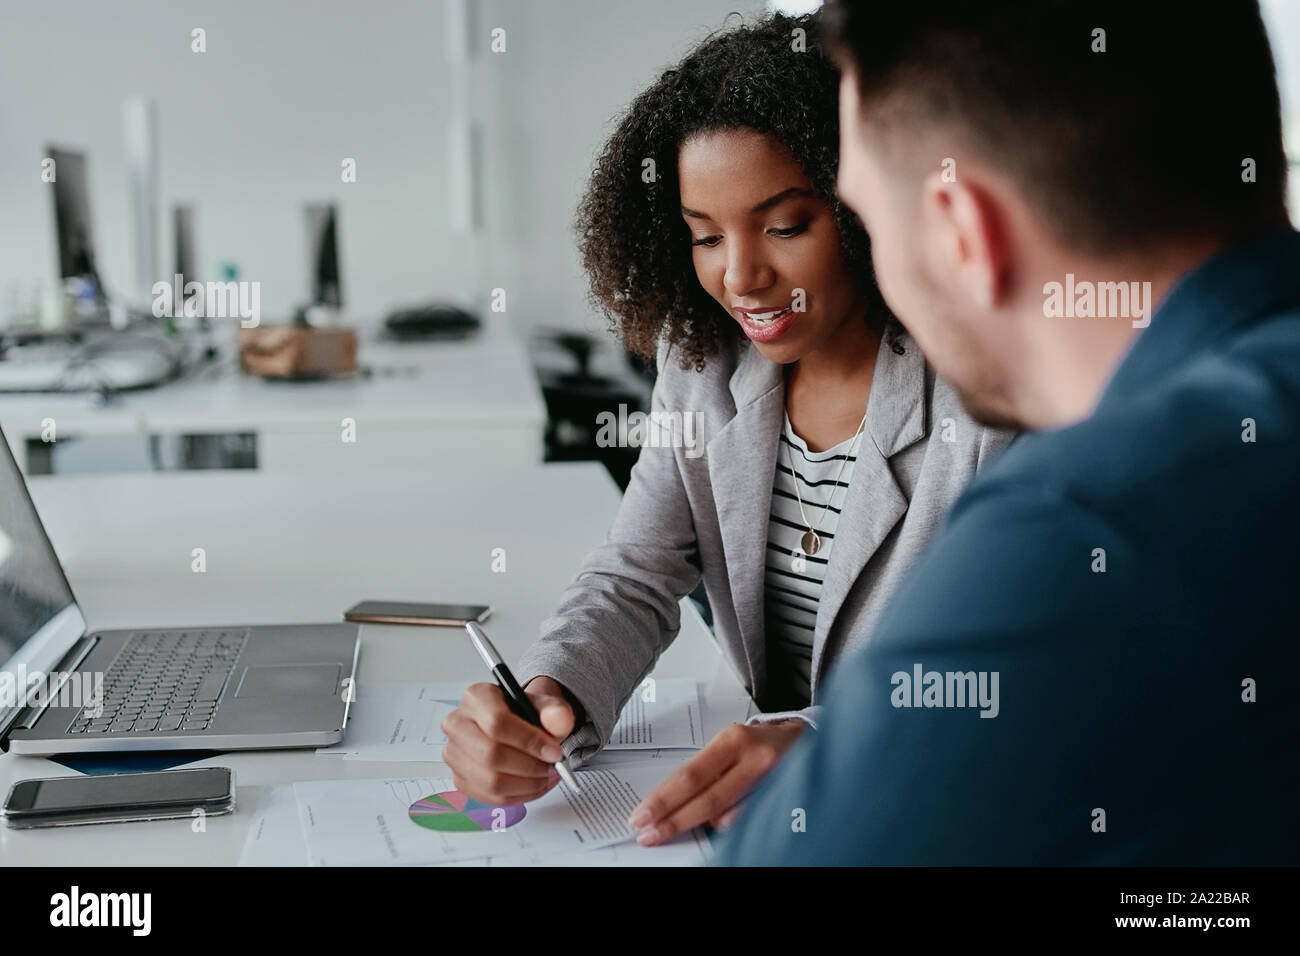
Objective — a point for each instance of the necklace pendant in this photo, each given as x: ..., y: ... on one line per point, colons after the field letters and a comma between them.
x: 811, y: 542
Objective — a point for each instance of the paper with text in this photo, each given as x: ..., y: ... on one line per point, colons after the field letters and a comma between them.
x: 660, y: 713
x: 370, y: 822
x: 397, y: 721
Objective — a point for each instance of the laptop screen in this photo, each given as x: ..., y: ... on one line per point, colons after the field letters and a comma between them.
x: 32, y: 586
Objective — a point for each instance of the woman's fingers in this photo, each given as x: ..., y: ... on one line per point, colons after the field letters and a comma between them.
x: 496, y: 757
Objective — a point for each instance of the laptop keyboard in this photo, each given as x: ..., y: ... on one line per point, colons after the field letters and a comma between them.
x: 164, y: 682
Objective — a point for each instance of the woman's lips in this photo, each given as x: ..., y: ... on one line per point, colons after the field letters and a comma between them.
x: 766, y: 326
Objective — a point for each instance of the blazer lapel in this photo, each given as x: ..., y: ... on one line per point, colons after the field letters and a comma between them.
x: 741, y: 468
x: 896, y: 419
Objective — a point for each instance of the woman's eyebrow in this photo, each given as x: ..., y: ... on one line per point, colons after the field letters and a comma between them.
x: 792, y: 193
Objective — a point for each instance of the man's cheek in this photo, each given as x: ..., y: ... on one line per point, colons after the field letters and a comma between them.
x: 888, y: 267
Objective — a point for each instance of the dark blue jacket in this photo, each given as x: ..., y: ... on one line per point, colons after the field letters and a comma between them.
x: 1147, y: 713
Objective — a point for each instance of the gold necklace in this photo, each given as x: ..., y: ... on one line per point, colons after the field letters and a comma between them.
x: 812, y: 541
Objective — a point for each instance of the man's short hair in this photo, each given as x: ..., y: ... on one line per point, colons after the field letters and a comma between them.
x: 1122, y: 121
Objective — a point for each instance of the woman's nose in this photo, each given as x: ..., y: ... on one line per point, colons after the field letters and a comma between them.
x: 747, y: 270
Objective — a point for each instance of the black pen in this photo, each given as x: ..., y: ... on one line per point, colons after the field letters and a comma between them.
x: 516, y: 699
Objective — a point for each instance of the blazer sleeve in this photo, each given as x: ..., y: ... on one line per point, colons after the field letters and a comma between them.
x: 808, y: 715
x: 621, y: 611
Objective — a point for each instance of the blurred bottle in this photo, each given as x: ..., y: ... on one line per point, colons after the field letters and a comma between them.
x: 52, y: 306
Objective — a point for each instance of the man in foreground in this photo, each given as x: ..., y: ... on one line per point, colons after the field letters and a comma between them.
x: 1084, y: 227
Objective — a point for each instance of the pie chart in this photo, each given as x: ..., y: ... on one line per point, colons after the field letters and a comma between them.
x: 451, y: 810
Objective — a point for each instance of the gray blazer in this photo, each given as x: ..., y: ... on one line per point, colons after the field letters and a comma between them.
x: 701, y: 509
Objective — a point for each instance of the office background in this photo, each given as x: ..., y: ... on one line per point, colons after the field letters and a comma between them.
x: 258, y: 125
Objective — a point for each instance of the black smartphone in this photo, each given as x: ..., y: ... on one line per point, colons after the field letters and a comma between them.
x: 119, y: 797
x: 406, y: 612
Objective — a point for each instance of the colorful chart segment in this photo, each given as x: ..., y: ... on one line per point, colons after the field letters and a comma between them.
x: 452, y: 811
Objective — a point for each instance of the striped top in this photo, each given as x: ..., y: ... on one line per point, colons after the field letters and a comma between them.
x: 793, y: 580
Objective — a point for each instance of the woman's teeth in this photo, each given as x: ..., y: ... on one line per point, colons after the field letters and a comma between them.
x: 766, y: 318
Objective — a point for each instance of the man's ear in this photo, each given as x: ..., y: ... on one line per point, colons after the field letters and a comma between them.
x: 967, y: 238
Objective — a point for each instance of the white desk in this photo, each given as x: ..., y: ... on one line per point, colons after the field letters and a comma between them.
x: 425, y: 404
x: 284, y: 548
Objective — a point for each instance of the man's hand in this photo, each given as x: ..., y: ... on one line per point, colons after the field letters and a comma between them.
x: 709, y: 787
x: 498, y: 758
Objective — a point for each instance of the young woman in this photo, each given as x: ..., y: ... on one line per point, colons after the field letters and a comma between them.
x: 828, y: 455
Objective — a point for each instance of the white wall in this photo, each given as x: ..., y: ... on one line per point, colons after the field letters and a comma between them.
x: 1283, y: 19
x: 258, y: 125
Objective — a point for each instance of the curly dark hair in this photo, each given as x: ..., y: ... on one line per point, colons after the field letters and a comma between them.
x: 636, y: 247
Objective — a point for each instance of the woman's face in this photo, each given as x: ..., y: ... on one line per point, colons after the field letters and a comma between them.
x: 765, y: 246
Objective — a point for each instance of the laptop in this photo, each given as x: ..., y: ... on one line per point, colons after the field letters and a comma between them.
x: 66, y: 691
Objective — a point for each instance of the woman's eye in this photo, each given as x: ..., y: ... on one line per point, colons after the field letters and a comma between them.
x: 706, y: 241
x: 792, y: 231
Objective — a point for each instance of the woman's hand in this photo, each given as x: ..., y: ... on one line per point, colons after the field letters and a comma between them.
x: 498, y: 758
x: 710, y: 786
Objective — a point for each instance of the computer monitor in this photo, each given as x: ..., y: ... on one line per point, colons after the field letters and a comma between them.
x: 74, y: 235
x: 184, y: 252
x: 323, y: 254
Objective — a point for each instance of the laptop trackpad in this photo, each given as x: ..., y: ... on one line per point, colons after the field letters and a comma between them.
x: 279, y: 680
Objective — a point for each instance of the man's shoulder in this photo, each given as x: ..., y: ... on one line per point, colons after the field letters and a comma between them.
x: 1187, y: 491
x: 1207, y: 428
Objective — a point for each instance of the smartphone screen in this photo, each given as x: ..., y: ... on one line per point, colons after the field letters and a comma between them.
x: 59, y: 795
x: 409, y: 612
